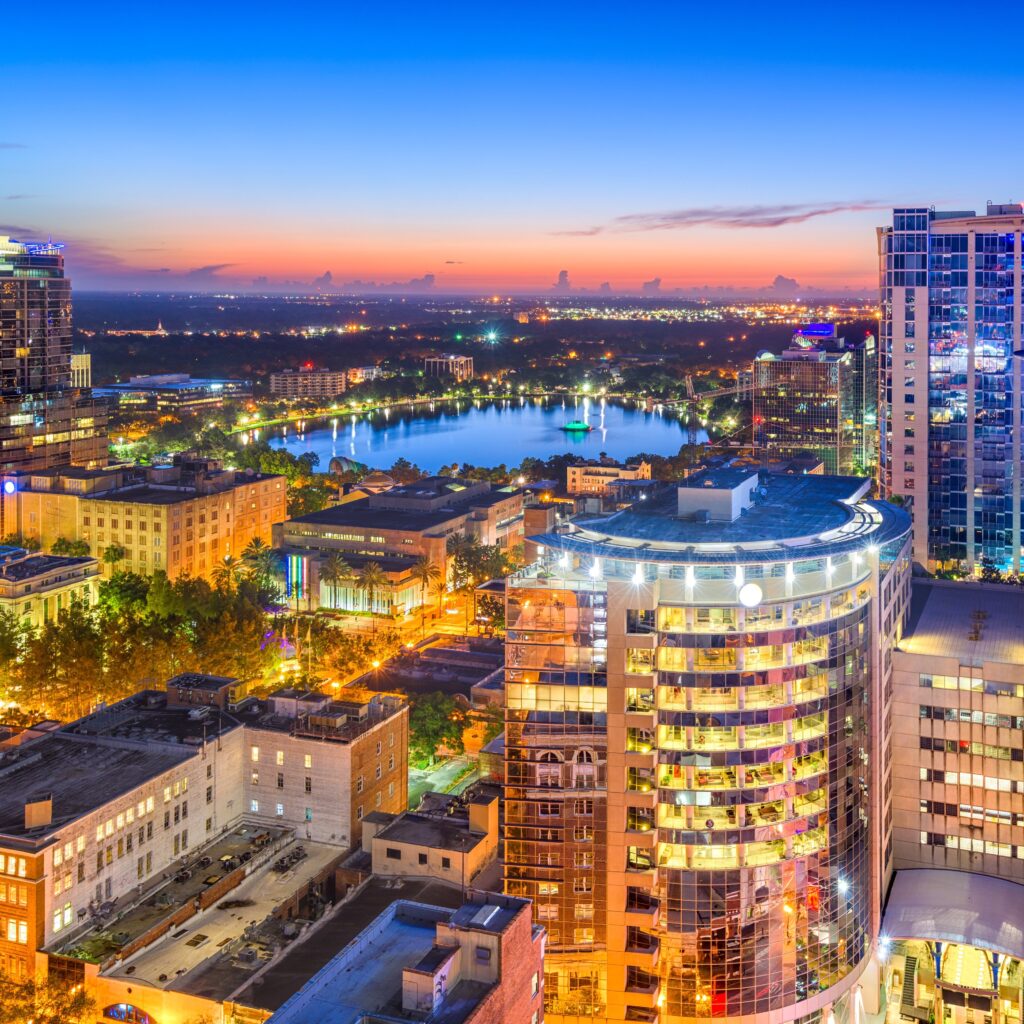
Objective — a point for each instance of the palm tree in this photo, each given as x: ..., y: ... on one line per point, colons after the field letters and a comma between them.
x: 371, y: 580
x: 227, y: 573
x: 260, y: 560
x: 113, y: 554
x: 335, y: 570
x: 426, y: 574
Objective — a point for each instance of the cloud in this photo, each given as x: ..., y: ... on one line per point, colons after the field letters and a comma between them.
x: 13, y: 145
x: 18, y: 195
x: 580, y: 232
x: 17, y: 231
x: 652, y: 287
x: 451, y: 263
x: 324, y: 280
x: 210, y: 270
x: 753, y: 216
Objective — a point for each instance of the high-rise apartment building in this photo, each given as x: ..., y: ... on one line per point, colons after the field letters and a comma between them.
x: 950, y: 399
x: 699, y: 793
x: 45, y: 420
x: 819, y: 396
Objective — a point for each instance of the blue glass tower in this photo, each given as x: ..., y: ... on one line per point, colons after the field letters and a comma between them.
x: 950, y: 382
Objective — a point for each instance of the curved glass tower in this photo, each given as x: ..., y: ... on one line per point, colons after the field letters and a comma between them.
x: 715, y: 657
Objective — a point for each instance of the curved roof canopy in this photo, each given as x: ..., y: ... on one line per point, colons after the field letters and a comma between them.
x: 956, y: 906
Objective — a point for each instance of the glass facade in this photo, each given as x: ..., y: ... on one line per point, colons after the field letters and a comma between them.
x: 44, y: 421
x: 950, y: 411
x: 717, y: 858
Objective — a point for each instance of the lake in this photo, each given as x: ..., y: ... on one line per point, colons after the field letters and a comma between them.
x: 486, y: 433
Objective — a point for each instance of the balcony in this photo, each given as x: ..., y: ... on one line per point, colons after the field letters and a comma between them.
x: 642, y: 910
x: 642, y: 949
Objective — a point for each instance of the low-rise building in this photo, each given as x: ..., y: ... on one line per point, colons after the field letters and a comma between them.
x: 97, y: 814
x: 596, y: 476
x: 361, y: 374
x: 480, y: 964
x: 184, y: 518
x: 459, y: 367
x: 308, y: 382
x: 395, y: 529
x: 163, y: 394
x: 453, y: 844
x: 35, y: 588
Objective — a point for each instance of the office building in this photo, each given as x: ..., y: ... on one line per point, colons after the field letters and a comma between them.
x: 361, y: 374
x: 818, y: 396
x: 952, y: 924
x: 44, y: 419
x: 96, y: 816
x: 308, y: 382
x: 185, y: 518
x: 395, y: 528
x: 36, y: 588
x: 698, y: 776
x: 479, y: 964
x: 950, y: 402
x: 172, y: 394
x: 459, y: 367
x: 597, y: 477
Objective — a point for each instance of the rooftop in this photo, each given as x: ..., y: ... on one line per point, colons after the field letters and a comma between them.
x: 433, y: 832
x: 971, y: 622
x: 820, y: 514
x: 285, y: 976
x: 17, y: 565
x: 80, y: 777
x: 365, y: 978
x: 360, y: 515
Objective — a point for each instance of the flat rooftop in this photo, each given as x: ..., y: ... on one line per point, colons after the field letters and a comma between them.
x: 972, y: 622
x: 361, y: 516
x: 283, y: 978
x: 786, y: 511
x: 206, y: 955
x: 434, y: 833
x: 39, y: 565
x: 366, y: 977
x: 80, y: 776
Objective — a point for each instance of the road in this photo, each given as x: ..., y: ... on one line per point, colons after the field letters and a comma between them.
x: 440, y: 779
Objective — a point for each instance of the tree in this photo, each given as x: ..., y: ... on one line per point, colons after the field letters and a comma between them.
x: 227, y: 574
x: 371, y: 579
x: 70, y: 548
x: 435, y: 719
x: 114, y: 553
x: 21, y: 540
x: 333, y: 571
x: 426, y: 574
x: 260, y: 562
x: 124, y: 592
x: 43, y: 1002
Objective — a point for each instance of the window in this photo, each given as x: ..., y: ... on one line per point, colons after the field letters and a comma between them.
x: 534, y: 985
x: 209, y: 794
x: 359, y: 812
x: 309, y: 784
x: 423, y: 858
x: 307, y: 761
x: 254, y: 806
x: 446, y: 863
x: 280, y: 780
x: 483, y: 955
x: 280, y: 810
x: 255, y: 776
x: 359, y: 784
x: 254, y: 754
x: 280, y: 758
x: 392, y: 854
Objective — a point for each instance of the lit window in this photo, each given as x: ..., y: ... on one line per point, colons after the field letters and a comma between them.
x: 280, y: 810
x: 254, y: 753
x: 254, y: 806
x: 280, y: 758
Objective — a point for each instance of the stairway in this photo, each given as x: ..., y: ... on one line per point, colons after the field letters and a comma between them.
x: 909, y: 975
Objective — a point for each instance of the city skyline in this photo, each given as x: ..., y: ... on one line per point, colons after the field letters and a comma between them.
x: 472, y: 152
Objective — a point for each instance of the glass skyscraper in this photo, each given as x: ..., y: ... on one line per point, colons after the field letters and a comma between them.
x: 698, y: 796
x: 950, y: 398
x: 44, y: 420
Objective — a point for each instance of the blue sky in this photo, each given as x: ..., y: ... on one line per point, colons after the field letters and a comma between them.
x: 207, y: 146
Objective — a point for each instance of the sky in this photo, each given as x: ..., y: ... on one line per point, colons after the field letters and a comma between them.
x: 485, y: 148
